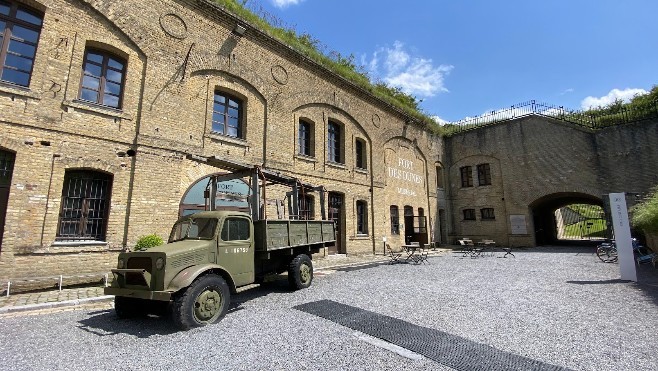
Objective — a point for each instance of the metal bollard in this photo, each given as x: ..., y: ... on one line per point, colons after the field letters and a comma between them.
x: 8, y: 287
x: 60, y: 282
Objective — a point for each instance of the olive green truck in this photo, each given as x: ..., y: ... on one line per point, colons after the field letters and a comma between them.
x: 208, y: 256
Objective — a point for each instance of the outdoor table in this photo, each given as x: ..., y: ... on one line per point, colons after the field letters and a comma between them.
x: 412, y: 254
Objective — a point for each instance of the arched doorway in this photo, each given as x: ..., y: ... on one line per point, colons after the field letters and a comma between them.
x: 231, y: 195
x: 567, y: 218
x: 6, y: 170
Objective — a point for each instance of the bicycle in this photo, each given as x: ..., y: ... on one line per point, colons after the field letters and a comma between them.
x: 607, y: 252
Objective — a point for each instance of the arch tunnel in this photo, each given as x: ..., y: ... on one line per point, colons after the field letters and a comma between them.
x: 546, y: 225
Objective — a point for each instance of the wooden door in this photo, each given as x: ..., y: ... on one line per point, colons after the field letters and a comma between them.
x: 337, y: 214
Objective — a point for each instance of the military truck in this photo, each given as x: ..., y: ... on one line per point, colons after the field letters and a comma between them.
x: 210, y: 254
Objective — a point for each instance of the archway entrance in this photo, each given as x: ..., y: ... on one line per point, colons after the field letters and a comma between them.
x: 6, y: 169
x: 231, y: 195
x: 568, y: 218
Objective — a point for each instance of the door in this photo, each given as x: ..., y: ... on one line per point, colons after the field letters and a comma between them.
x: 337, y: 214
x: 6, y: 170
x: 408, y: 224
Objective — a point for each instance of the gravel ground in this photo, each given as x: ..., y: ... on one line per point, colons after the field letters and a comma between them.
x: 558, y: 306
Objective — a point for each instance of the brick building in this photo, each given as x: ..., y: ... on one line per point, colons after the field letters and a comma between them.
x: 113, y: 114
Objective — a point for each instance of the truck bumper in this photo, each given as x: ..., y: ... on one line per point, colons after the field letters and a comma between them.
x: 139, y: 294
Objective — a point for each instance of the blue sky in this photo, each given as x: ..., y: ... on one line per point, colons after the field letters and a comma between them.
x: 467, y: 57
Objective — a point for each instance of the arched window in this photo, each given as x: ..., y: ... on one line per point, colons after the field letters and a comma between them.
x: 360, y: 153
x: 395, y: 220
x: 85, y: 206
x: 305, y: 136
x: 103, y: 76
x: 227, y: 115
x: 231, y: 195
x: 361, y: 217
x: 334, y: 143
x: 20, y: 27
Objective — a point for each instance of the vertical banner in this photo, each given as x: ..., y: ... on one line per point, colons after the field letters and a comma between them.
x: 622, y: 236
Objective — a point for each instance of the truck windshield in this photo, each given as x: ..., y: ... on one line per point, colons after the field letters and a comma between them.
x: 194, y: 229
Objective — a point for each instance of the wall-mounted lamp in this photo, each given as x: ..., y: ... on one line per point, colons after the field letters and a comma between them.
x: 239, y: 29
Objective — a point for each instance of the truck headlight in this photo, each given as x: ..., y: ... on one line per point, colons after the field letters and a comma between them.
x: 159, y: 263
x: 121, y: 263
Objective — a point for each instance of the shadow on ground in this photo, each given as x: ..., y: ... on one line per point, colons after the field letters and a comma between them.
x: 106, y: 322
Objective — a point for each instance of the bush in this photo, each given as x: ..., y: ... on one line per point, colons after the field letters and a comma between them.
x: 148, y: 241
x: 645, y: 214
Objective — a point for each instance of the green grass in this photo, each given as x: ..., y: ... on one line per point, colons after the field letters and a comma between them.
x: 580, y: 229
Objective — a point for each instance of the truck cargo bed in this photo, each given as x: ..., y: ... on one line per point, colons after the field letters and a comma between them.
x: 279, y: 234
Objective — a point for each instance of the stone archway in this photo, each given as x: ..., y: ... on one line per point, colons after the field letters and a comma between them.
x: 544, y: 219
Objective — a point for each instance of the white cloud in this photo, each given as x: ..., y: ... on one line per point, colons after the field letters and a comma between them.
x: 439, y: 120
x: 567, y: 91
x: 414, y: 75
x: 614, y: 94
x: 285, y: 3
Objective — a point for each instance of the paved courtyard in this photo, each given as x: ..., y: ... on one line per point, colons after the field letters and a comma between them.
x: 548, y: 308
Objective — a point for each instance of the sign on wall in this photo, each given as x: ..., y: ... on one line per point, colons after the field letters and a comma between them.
x: 406, y: 172
x: 517, y: 222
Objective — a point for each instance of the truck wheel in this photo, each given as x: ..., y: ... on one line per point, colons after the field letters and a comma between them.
x: 130, y: 307
x: 300, y: 272
x: 204, y: 302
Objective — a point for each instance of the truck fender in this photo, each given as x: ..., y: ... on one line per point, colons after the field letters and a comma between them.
x: 185, y: 277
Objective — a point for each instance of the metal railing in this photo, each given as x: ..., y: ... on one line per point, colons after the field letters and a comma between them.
x: 593, y: 119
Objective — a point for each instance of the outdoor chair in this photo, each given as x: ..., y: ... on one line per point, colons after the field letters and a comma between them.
x: 468, y: 247
x: 394, y: 255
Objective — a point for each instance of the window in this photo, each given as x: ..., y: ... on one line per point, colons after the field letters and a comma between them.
x: 20, y: 28
x: 361, y: 217
x: 102, y: 78
x: 439, y: 176
x: 467, y: 176
x: 360, y: 149
x: 306, y: 211
x: 487, y: 214
x: 227, y: 115
x: 334, y: 151
x: 236, y: 229
x: 469, y: 214
x: 395, y: 220
x: 305, y: 138
x: 85, y: 206
x: 484, y: 174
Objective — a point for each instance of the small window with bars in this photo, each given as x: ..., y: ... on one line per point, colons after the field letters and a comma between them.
x: 469, y: 214
x: 487, y: 213
x: 85, y: 206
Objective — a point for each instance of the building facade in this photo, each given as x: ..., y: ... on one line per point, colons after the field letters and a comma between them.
x: 110, y: 111
x: 114, y: 114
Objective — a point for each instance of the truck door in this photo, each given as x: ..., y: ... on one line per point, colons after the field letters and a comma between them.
x: 236, y: 250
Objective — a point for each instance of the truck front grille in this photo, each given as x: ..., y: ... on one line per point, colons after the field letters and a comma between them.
x: 141, y: 262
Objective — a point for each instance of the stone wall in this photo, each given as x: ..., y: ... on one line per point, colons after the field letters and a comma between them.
x: 538, y: 161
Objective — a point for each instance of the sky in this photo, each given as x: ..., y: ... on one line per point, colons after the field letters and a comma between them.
x: 464, y: 58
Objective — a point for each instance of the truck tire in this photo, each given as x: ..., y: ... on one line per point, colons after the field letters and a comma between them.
x: 300, y: 272
x: 203, y: 303
x: 130, y: 307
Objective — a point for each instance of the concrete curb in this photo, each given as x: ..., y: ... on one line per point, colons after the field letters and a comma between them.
x: 54, y: 304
